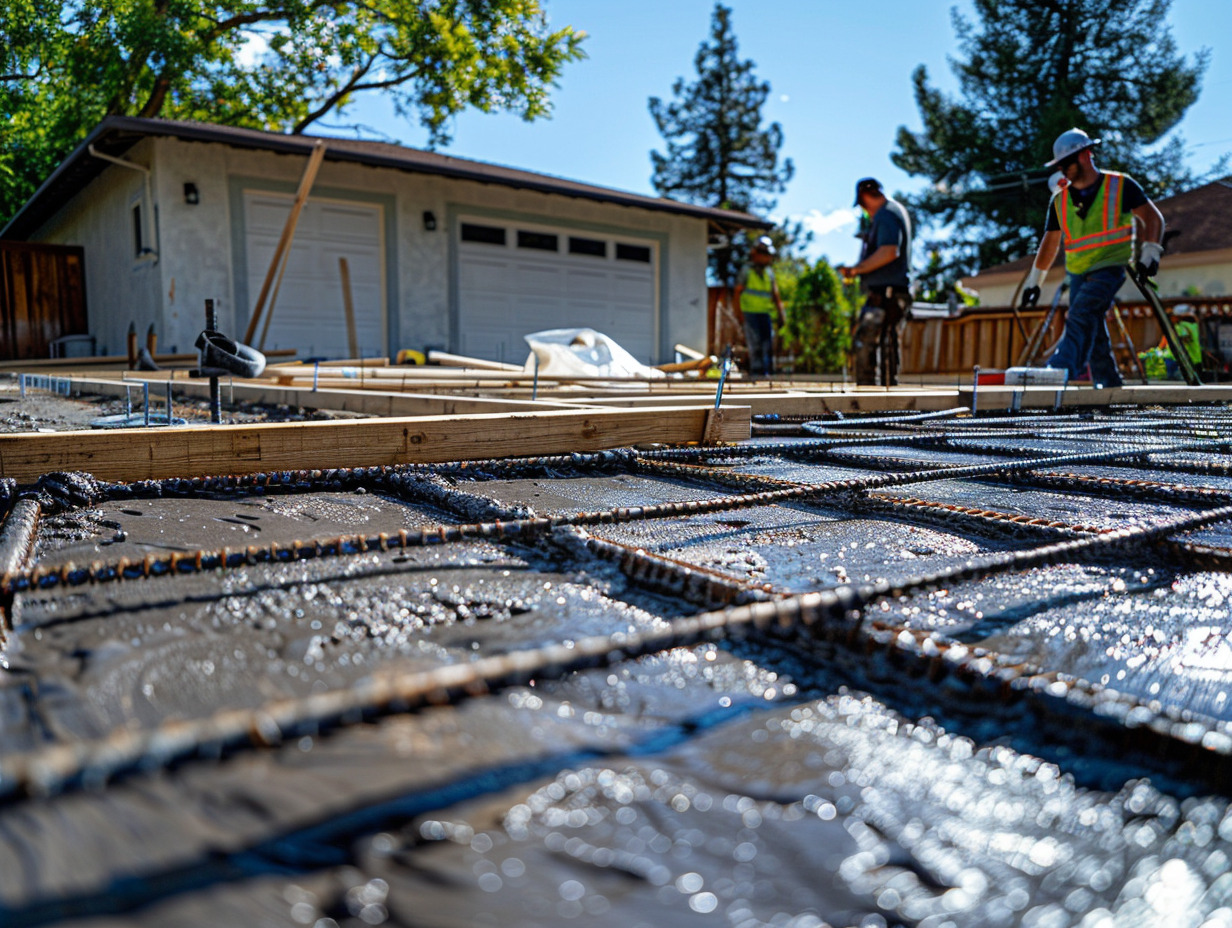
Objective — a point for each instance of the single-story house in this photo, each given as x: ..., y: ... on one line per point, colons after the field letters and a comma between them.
x: 441, y: 252
x: 1198, y: 260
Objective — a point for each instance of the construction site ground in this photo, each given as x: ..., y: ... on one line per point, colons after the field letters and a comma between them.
x: 887, y: 663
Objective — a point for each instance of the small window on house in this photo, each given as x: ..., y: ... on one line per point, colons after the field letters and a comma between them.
x: 587, y: 246
x: 485, y: 235
x: 138, y: 244
x: 632, y: 253
x: 540, y: 241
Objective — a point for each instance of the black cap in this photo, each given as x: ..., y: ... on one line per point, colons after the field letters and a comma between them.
x: 866, y: 185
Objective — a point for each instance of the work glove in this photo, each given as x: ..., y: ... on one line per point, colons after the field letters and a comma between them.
x: 1148, y: 258
x: 1031, y: 289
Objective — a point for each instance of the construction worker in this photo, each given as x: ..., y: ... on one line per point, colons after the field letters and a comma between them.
x: 1185, y: 322
x: 1093, y: 212
x: 758, y: 301
x: 885, y: 259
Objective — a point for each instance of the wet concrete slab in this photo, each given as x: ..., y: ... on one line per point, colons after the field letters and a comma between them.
x: 758, y: 781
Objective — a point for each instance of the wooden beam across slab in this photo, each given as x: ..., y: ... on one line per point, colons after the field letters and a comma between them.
x: 189, y: 451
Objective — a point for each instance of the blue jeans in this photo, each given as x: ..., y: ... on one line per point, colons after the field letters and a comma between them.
x: 759, y: 334
x: 1085, y: 340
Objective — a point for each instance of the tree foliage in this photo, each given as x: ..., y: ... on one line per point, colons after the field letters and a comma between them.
x: 820, y: 310
x: 1027, y: 71
x: 718, y: 153
x: 266, y: 64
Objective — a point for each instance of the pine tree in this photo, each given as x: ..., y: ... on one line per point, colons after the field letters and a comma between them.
x: 1029, y: 70
x: 718, y: 154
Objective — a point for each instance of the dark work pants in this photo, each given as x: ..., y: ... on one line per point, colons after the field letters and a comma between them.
x: 1085, y: 339
x: 759, y: 334
x: 874, y: 347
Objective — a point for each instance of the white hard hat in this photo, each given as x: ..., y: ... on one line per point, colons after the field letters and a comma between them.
x: 1057, y: 183
x: 1070, y: 142
x: 764, y: 243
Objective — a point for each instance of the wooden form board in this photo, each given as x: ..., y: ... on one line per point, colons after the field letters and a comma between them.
x: 188, y: 451
x: 1167, y: 394
x: 798, y: 403
x: 367, y: 402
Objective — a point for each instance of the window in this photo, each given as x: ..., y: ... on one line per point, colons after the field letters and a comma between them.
x: 484, y: 235
x: 138, y: 244
x: 587, y: 246
x: 541, y: 241
x: 632, y: 253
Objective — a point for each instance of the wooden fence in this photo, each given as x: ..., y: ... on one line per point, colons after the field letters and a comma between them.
x: 991, y: 338
x: 42, y: 297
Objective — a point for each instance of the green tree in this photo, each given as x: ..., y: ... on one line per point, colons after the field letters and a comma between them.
x: 1027, y: 71
x: 267, y: 64
x: 718, y: 153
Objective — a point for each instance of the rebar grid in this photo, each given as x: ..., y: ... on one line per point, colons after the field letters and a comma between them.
x: 831, y: 615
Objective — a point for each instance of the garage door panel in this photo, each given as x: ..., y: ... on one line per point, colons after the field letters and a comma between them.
x: 539, y: 279
x: 505, y: 293
x: 309, y: 314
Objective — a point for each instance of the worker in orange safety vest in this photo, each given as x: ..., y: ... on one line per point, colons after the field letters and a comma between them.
x: 1093, y: 212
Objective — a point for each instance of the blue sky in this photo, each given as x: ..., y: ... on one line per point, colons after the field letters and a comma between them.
x: 840, y: 74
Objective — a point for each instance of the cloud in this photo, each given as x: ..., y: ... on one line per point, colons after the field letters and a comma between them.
x: 836, y: 220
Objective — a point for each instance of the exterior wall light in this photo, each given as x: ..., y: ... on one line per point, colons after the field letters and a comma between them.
x: 191, y: 195
x: 429, y: 220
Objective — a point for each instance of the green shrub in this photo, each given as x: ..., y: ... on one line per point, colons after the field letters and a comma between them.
x: 820, y: 310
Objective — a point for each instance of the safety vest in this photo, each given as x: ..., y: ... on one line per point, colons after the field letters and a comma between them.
x: 758, y: 293
x: 1187, y: 332
x: 1104, y: 237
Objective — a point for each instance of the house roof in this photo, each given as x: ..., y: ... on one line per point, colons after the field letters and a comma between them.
x: 1202, y: 216
x: 116, y: 134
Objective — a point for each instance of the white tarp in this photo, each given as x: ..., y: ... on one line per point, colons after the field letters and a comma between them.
x: 582, y: 353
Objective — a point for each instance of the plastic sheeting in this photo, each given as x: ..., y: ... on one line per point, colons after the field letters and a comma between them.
x: 583, y: 353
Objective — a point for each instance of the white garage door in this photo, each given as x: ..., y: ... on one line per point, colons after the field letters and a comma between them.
x: 309, y: 315
x: 514, y: 279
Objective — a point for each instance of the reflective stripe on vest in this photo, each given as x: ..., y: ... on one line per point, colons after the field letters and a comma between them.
x: 1102, y: 238
x: 758, y: 293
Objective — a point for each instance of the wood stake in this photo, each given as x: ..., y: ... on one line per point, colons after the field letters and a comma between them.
x: 348, y: 307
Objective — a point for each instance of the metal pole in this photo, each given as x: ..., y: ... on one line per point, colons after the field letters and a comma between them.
x: 211, y: 325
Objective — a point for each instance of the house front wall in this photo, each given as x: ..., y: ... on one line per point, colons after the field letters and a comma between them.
x: 202, y: 249
x: 123, y: 286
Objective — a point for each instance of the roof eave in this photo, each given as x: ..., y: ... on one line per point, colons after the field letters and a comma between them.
x: 48, y: 199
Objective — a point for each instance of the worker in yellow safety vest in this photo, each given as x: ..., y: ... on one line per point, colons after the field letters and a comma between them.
x: 1093, y: 212
x: 1185, y: 322
x: 758, y: 301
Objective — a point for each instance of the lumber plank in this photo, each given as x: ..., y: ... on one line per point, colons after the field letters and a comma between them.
x: 445, y: 359
x: 149, y: 454
x: 1001, y: 397
x: 277, y: 263
x: 368, y: 402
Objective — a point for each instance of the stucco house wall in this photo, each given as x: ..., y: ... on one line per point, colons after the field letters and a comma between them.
x: 200, y: 248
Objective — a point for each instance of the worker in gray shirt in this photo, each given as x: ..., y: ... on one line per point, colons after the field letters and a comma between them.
x: 885, y: 259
